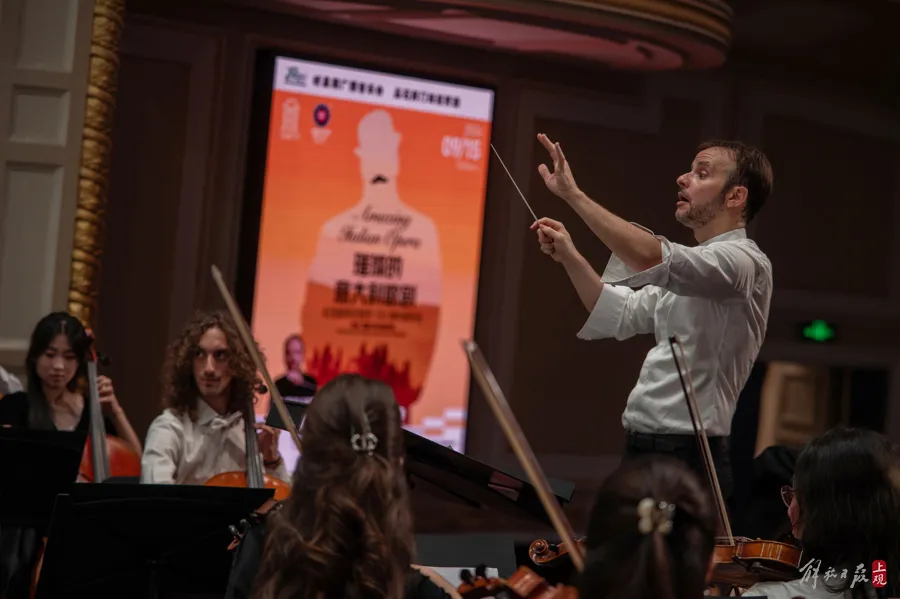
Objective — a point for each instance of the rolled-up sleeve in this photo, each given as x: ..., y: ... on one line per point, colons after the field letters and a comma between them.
x: 161, y: 450
x: 720, y: 270
x: 621, y: 313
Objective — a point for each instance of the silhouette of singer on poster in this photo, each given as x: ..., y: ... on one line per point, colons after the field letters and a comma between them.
x: 373, y: 296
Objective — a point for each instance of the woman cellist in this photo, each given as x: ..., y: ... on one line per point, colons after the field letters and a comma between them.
x: 57, y: 369
x: 56, y: 365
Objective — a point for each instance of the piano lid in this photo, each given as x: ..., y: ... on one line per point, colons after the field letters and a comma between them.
x: 457, y: 477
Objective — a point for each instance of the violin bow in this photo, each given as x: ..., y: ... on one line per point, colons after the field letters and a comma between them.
x: 247, y: 338
x: 700, y: 432
x: 522, y: 449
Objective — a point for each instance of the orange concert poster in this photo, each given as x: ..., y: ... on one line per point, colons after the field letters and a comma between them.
x: 370, y: 235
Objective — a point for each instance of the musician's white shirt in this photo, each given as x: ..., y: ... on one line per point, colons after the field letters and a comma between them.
x: 792, y: 589
x: 715, y: 299
x: 190, y: 452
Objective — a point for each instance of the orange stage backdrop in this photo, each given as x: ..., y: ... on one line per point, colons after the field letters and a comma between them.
x: 371, y: 233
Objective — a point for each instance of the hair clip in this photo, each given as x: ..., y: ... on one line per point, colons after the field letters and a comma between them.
x: 367, y: 442
x: 653, y: 516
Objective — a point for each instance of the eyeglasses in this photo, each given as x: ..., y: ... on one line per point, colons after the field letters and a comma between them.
x: 787, y: 495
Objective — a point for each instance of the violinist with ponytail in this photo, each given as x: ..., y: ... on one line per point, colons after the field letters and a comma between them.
x: 651, y: 533
x: 346, y: 530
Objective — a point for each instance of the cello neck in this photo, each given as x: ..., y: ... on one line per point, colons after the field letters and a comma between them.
x: 255, y: 479
x: 99, y: 451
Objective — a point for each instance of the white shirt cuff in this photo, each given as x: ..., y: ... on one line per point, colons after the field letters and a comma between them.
x: 617, y: 273
x: 604, y: 319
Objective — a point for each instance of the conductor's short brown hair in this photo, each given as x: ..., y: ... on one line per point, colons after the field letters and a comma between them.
x: 751, y: 170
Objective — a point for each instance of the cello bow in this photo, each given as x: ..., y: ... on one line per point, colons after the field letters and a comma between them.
x: 247, y: 338
x: 516, y: 438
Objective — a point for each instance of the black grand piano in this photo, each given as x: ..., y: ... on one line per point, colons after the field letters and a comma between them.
x: 446, y: 474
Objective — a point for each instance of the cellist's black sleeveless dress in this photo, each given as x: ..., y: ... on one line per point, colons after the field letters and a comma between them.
x: 19, y: 545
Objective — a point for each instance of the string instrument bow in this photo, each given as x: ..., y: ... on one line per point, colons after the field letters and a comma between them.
x: 739, y: 562
x: 524, y: 583
x: 254, y: 477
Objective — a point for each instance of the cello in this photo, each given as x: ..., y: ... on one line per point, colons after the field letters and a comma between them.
x: 254, y: 476
x: 104, y: 455
x: 524, y: 582
x: 738, y: 562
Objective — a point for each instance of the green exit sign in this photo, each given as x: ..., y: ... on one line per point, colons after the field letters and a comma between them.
x: 818, y: 331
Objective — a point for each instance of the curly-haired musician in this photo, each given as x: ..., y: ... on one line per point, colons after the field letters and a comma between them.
x: 209, y: 380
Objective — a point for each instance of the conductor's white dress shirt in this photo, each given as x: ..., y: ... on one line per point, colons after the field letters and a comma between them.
x: 715, y: 299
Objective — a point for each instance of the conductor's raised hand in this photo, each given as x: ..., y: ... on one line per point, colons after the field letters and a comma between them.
x: 554, y: 239
x: 561, y: 181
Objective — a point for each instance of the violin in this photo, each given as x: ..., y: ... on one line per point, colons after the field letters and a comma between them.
x: 523, y: 584
x: 254, y: 477
x: 740, y: 562
x: 544, y: 553
x: 114, y: 457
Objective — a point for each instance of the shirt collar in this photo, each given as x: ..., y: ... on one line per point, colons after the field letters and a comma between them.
x: 740, y: 233
x: 207, y: 416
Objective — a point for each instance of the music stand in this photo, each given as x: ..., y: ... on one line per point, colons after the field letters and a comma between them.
x: 296, y: 409
x: 143, y: 540
x: 37, y: 465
